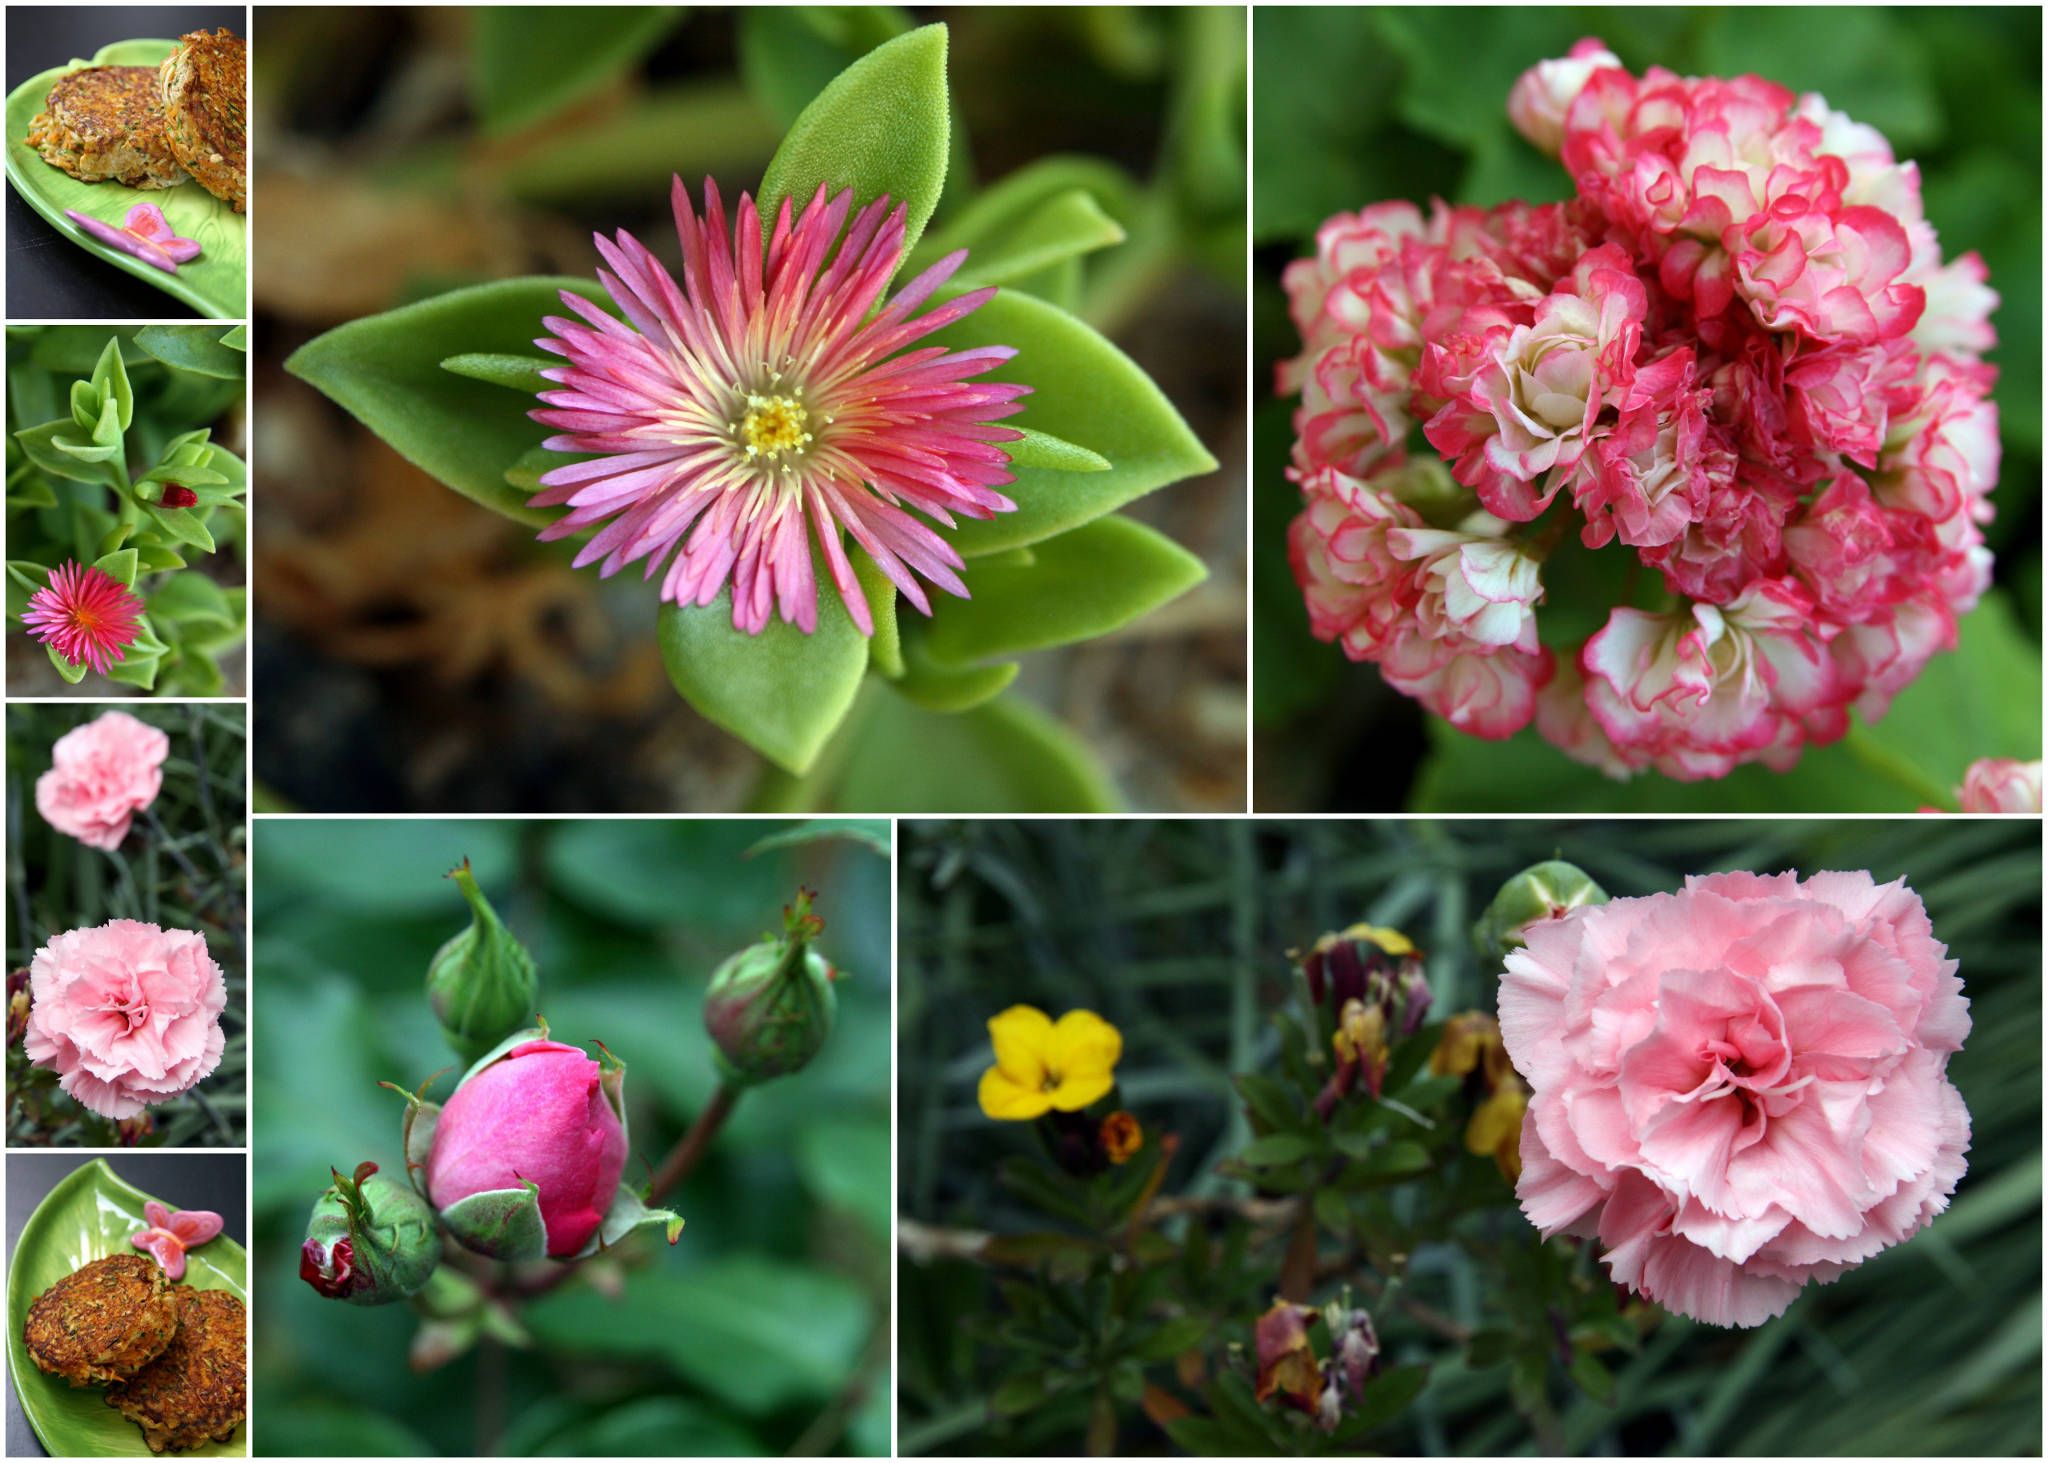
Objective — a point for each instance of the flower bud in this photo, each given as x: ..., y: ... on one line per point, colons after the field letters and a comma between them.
x: 770, y: 1007
x: 371, y: 1240
x: 1542, y: 891
x: 130, y: 1132
x: 526, y: 1157
x: 17, y: 1005
x: 1122, y: 1137
x: 482, y: 984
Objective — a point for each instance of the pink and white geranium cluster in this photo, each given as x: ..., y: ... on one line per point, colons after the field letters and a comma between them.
x: 1736, y: 358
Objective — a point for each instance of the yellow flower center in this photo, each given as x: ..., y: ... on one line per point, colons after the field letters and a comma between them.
x: 774, y: 425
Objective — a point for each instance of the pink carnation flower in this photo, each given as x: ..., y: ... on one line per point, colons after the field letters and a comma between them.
x: 126, y: 1014
x: 765, y: 404
x: 101, y: 775
x: 1738, y: 1088
x: 2002, y: 785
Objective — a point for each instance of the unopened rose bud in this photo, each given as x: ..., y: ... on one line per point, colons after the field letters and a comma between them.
x: 371, y: 1240
x: 770, y: 1008
x: 527, y: 1154
x: 1545, y: 891
x: 482, y: 984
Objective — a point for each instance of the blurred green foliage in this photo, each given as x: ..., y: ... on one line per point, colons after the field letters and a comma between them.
x: 1356, y: 106
x: 765, y: 1327
x: 190, y: 879
x: 1175, y: 930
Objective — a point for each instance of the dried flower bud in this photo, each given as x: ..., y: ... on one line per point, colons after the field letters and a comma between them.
x: 482, y: 984
x: 1288, y: 1367
x: 18, y: 1004
x: 770, y: 1008
x: 371, y: 1240
x: 1121, y: 1137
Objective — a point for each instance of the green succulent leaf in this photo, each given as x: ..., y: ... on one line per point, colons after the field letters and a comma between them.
x: 71, y: 673
x: 191, y: 596
x: 85, y: 405
x: 790, y: 53
x: 985, y: 224
x: 1065, y: 226
x: 181, y: 525
x: 881, y: 126
x: 1083, y: 391
x: 386, y: 370
x: 1037, y: 449
x: 237, y: 339
x: 201, y: 349
x: 521, y: 373
x: 141, y: 660
x: 110, y: 379
x: 52, y: 448
x: 156, y: 558
x: 885, y: 646
x: 1080, y: 584
x: 941, y: 687
x: 530, y: 61
x: 120, y: 565
x: 1004, y: 756
x: 782, y: 692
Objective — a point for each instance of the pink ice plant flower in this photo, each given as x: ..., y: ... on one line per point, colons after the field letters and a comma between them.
x: 1741, y: 1088
x: 85, y: 615
x: 171, y: 1232
x: 772, y: 401
x: 1736, y: 360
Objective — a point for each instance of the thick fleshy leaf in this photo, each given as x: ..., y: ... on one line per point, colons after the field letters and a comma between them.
x: 182, y: 525
x: 885, y: 646
x: 81, y: 462
x: 872, y: 832
x: 521, y: 373
x: 505, y: 1224
x: 386, y: 369
x: 237, y: 339
x: 190, y: 596
x: 121, y: 565
x: 110, y: 379
x: 944, y: 687
x: 790, y: 53
x: 781, y: 692
x: 71, y: 673
x: 1005, y: 756
x: 528, y: 62
x: 1080, y: 584
x: 141, y: 660
x: 1065, y: 227
x: 880, y: 127
x: 987, y: 221
x: 1084, y: 391
x: 1037, y: 449
x: 198, y: 348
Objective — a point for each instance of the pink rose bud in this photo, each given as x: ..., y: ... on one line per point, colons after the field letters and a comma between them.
x: 371, y: 1240
x: 101, y: 775
x: 533, y: 1132
x: 126, y: 1014
x: 1539, y: 101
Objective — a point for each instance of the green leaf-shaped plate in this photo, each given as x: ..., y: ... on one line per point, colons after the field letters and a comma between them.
x: 88, y: 1216
x: 216, y: 283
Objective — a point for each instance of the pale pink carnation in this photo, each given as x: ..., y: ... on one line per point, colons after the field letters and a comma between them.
x: 126, y: 1014
x: 2002, y: 785
x: 101, y: 775
x: 1738, y: 1088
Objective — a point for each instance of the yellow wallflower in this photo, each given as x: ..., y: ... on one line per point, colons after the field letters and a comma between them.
x: 1043, y: 1064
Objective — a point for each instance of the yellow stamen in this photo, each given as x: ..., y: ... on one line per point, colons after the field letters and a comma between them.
x: 774, y: 425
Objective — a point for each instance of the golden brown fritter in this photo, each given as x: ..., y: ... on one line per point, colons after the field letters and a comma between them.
x: 203, y: 84
x: 107, y: 122
x: 199, y: 1388
x: 102, y: 1323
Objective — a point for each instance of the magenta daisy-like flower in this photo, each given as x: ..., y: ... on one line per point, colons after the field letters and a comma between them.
x: 768, y: 402
x: 84, y: 614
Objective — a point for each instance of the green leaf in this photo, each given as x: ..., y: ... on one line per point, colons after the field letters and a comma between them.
x: 72, y: 673
x: 521, y: 373
x: 182, y: 524
x: 191, y: 596
x: 237, y: 339
x: 110, y: 379
x: 880, y: 127
x: 81, y: 462
x: 121, y: 565
x: 201, y: 349
x: 986, y: 221
x: 1593, y: 1378
x: 1066, y: 226
x: 1278, y: 1148
x: 1182, y: 1333
x: 528, y: 62
x: 386, y: 370
x: 140, y: 661
x: 873, y: 832
x: 937, y: 687
x: 1005, y: 756
x: 1037, y: 449
x: 790, y: 53
x: 885, y: 646
x: 782, y: 692
x: 1269, y: 1102
x: 1084, y: 391
x: 1083, y: 583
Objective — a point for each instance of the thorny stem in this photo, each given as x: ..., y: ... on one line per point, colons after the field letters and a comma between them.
x: 683, y: 1157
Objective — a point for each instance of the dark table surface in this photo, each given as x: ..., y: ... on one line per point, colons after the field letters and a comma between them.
x: 215, y: 1181
x: 48, y: 276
